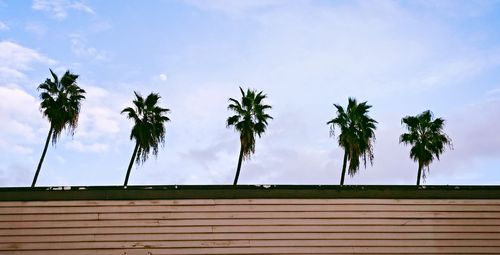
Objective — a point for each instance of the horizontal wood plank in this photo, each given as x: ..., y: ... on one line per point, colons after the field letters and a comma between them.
x: 246, y: 236
x: 250, y: 215
x: 269, y: 250
x: 249, y: 229
x: 247, y: 243
x: 188, y: 202
x: 246, y: 222
x: 251, y: 208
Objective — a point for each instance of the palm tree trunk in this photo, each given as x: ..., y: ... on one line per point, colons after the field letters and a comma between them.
x: 343, y: 169
x: 131, y: 163
x: 419, y: 173
x: 239, y: 166
x: 42, y: 157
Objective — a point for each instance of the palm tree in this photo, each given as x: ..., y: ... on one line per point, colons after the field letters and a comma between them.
x: 250, y: 119
x: 356, y: 135
x: 61, y: 105
x: 427, y: 138
x: 148, y: 130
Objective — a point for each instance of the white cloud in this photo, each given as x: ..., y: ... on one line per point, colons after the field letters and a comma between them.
x: 4, y: 27
x: 22, y: 123
x: 79, y: 48
x: 456, y: 9
x: 461, y: 68
x: 493, y: 94
x: 163, y: 77
x: 82, y: 147
x: 20, y: 118
x: 17, y: 102
x: 15, y: 175
x: 370, y: 47
x: 23, y: 150
x: 15, y: 59
x: 231, y: 7
x: 101, y: 26
x: 36, y: 28
x: 98, y: 120
x: 476, y: 135
x: 7, y: 73
x: 203, y: 107
x: 59, y: 8
x: 100, y: 115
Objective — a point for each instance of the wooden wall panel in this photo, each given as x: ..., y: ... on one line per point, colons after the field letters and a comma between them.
x: 251, y: 226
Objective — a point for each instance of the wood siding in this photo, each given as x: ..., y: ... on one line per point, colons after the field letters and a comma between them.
x: 251, y: 226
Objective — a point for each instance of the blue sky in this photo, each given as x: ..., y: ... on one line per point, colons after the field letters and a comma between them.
x: 403, y: 57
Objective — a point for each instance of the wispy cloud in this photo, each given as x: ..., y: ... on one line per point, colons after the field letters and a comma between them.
x: 4, y: 27
x: 87, y: 147
x: 494, y: 94
x: 456, y: 9
x: 100, y: 117
x: 15, y: 59
x: 58, y: 9
x: 36, y: 28
x: 80, y: 48
x: 15, y: 175
x: 235, y: 7
x: 162, y: 77
x: 20, y: 118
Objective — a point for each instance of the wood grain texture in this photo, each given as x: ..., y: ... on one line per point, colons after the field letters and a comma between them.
x: 251, y: 226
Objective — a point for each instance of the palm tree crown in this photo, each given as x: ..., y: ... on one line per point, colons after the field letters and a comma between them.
x: 61, y: 101
x: 356, y: 134
x: 427, y: 139
x: 250, y: 119
x: 149, y: 128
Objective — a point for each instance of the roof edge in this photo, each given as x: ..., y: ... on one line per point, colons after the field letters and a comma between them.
x: 248, y: 192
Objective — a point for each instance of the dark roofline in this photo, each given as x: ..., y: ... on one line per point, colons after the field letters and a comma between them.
x: 248, y: 192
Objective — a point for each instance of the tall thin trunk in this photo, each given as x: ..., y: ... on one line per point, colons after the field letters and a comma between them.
x: 343, y: 168
x: 131, y: 163
x: 419, y: 173
x: 239, y: 166
x: 43, y: 156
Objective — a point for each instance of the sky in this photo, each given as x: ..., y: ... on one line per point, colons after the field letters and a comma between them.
x: 402, y: 57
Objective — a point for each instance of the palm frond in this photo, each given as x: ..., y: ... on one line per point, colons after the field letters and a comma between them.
x: 357, y: 133
x: 54, y: 76
x: 61, y: 103
x: 426, y: 137
x: 149, y: 125
x: 250, y: 118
